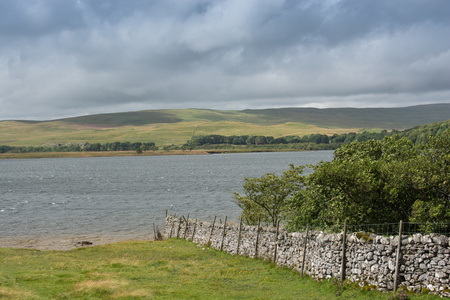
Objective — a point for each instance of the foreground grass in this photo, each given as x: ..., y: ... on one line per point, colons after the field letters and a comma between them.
x: 173, y: 269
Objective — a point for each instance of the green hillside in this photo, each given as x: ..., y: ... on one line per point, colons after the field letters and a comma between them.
x: 419, y: 134
x: 176, y: 126
x: 386, y: 118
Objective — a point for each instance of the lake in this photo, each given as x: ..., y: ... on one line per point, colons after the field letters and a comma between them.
x: 52, y: 203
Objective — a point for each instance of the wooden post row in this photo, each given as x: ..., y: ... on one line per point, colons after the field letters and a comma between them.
x: 179, y: 226
x: 397, y: 258
x: 343, y: 256
x: 223, y: 233
x: 210, y: 234
x: 304, y: 249
x: 186, y: 227
x: 193, y: 231
x: 239, y: 237
x: 276, y: 244
x: 257, y: 237
x: 171, y: 228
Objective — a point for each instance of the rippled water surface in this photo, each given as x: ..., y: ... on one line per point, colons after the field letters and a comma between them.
x: 121, y: 197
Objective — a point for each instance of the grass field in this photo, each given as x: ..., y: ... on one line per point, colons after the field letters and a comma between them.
x: 14, y: 133
x: 173, y: 269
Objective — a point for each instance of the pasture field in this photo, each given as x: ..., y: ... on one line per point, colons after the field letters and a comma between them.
x: 13, y: 133
x: 171, y: 269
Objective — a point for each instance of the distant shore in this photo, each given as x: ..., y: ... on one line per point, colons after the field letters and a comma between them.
x: 130, y: 153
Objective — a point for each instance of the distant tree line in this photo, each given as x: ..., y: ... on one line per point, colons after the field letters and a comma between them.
x: 252, y: 140
x: 115, y: 146
x: 419, y: 134
x: 319, y: 141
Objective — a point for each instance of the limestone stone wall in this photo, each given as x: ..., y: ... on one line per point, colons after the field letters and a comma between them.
x: 370, y: 259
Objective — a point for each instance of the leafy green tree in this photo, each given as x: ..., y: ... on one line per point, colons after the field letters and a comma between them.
x: 136, y: 146
x: 292, y: 139
x: 251, y: 140
x: 430, y: 173
x: 377, y: 182
x: 267, y: 197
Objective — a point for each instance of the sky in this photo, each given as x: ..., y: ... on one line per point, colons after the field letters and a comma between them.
x: 63, y: 58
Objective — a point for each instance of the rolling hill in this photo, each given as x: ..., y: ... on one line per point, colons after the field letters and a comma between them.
x: 176, y: 126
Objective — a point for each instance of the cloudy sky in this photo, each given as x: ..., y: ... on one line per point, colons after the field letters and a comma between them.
x: 61, y: 58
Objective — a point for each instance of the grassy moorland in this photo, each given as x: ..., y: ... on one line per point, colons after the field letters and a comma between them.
x: 15, y: 133
x: 173, y: 269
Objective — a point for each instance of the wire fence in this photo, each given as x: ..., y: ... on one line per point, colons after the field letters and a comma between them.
x: 407, y: 228
x: 388, y: 229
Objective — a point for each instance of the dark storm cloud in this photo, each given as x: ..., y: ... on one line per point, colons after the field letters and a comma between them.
x: 64, y: 58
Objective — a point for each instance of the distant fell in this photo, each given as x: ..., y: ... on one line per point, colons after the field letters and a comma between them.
x: 384, y: 118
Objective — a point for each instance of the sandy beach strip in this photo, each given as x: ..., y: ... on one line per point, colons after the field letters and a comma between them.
x: 67, y: 242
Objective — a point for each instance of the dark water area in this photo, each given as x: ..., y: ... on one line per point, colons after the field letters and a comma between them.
x: 49, y: 203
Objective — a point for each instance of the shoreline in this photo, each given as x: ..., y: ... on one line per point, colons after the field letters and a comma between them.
x: 133, y: 153
x: 67, y: 243
x: 97, y: 154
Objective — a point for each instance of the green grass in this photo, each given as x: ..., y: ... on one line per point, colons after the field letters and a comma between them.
x: 173, y: 269
x: 14, y: 133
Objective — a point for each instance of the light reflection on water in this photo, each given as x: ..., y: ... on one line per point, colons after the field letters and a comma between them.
x: 118, y: 198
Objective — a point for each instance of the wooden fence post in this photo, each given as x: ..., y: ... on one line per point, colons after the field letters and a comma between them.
x: 158, y: 234
x: 154, y: 232
x: 276, y: 244
x: 223, y: 233
x: 171, y: 228
x: 212, y: 228
x: 193, y: 231
x: 179, y: 226
x: 239, y: 236
x: 397, y: 258
x: 343, y: 257
x: 166, y: 213
x: 186, y: 227
x: 257, y: 237
x: 304, y: 249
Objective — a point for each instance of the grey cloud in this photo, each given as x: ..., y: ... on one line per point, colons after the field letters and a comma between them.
x: 111, y: 55
x: 37, y: 18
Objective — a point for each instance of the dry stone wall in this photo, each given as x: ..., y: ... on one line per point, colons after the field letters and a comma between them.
x: 370, y: 259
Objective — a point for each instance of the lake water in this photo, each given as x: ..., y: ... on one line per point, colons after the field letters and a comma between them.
x: 51, y: 203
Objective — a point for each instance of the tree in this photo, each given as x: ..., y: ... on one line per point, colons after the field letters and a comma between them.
x: 378, y: 182
x: 135, y: 146
x: 431, y: 174
x: 267, y: 197
x: 139, y: 150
